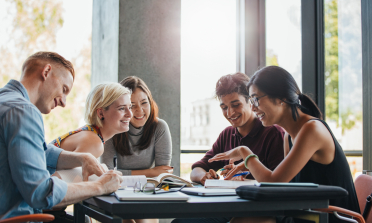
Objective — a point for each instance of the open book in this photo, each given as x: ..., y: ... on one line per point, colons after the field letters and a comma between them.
x: 169, y: 179
x: 227, y: 184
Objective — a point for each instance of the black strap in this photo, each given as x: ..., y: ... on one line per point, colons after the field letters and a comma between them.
x: 367, y: 207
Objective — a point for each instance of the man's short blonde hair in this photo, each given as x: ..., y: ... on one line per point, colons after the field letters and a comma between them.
x: 102, y: 96
x: 51, y: 57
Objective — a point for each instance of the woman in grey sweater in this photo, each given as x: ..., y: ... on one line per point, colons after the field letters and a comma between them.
x: 146, y: 149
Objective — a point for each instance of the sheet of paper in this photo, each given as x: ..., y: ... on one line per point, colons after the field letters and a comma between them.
x: 74, y: 175
x: 130, y: 181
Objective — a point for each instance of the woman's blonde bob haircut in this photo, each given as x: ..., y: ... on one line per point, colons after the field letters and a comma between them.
x: 102, y: 96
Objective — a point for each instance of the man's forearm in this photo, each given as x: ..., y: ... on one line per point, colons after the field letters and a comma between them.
x: 68, y: 160
x: 197, y: 174
x: 80, y: 191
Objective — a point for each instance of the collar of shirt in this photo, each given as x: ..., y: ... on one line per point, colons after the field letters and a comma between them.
x: 135, y: 131
x: 256, y: 128
x: 17, y: 86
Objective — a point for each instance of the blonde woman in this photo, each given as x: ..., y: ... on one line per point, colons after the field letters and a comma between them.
x: 108, y: 112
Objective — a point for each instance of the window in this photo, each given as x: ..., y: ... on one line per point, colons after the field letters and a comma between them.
x: 208, y: 51
x: 343, y: 75
x: 283, y: 36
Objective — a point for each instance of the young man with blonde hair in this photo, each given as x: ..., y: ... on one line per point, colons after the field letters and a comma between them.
x: 26, y: 162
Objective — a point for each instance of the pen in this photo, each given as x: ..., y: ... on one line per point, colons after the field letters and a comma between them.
x: 241, y: 174
x: 115, y: 162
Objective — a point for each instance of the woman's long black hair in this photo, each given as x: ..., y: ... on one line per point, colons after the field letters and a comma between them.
x: 276, y: 82
x: 121, y: 141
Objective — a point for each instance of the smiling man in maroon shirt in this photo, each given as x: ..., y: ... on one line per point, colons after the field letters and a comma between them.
x: 245, y: 129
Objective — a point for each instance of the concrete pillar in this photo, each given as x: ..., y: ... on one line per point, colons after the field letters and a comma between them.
x: 142, y: 38
x: 105, y: 41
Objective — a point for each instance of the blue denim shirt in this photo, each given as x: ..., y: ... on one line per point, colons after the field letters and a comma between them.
x: 26, y: 162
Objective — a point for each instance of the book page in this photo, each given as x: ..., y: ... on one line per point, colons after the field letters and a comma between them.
x: 164, y: 177
x: 227, y: 183
x: 159, y: 178
x: 171, y: 177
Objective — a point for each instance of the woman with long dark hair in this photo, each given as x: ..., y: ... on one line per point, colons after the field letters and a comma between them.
x: 312, y: 153
x: 146, y: 149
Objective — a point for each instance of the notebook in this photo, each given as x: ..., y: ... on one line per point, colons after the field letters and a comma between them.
x: 129, y: 195
x: 74, y: 175
x: 227, y: 184
x: 201, y: 191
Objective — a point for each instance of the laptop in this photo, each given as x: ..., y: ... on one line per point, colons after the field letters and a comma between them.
x: 201, y: 191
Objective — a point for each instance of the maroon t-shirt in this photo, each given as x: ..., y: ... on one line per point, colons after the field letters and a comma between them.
x: 265, y: 142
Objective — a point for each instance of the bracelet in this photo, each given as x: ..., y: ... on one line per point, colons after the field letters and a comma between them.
x: 247, y: 158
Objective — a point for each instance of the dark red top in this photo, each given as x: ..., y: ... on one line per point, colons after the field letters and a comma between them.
x: 265, y: 142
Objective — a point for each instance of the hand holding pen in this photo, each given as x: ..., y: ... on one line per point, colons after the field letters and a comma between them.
x: 239, y: 174
x: 226, y: 169
x: 115, y: 163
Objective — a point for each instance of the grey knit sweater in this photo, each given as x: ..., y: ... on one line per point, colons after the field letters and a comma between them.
x: 157, y: 154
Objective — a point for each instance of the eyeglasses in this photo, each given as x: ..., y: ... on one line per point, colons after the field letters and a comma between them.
x: 149, y: 188
x: 254, y: 100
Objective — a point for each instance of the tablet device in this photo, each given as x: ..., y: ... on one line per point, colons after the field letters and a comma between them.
x: 201, y: 191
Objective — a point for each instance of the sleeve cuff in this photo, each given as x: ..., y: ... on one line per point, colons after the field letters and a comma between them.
x: 59, y: 191
x: 52, y: 153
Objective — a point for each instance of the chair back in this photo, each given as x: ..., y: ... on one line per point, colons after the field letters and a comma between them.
x: 363, y: 187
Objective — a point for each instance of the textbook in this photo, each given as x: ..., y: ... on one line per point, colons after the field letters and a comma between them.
x: 227, y: 184
x: 167, y: 178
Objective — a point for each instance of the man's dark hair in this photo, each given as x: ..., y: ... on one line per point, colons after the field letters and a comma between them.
x: 232, y: 83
